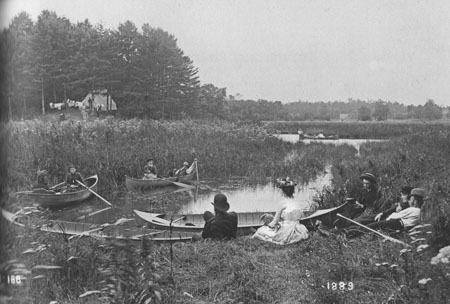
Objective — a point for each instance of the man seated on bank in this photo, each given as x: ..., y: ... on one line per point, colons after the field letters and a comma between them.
x: 368, y: 202
x: 150, y: 171
x: 406, y: 218
x: 222, y: 225
x: 405, y: 192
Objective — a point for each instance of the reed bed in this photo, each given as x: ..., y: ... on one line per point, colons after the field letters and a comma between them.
x: 114, y: 148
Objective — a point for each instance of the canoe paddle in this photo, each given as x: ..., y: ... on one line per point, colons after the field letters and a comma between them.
x: 179, y: 184
x: 33, y: 191
x: 95, y: 193
x: 374, y: 231
x: 56, y: 186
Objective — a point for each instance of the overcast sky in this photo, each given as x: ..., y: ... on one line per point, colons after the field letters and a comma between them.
x: 292, y: 50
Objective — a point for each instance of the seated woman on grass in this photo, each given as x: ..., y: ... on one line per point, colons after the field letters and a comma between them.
x: 285, y: 227
x: 406, y: 218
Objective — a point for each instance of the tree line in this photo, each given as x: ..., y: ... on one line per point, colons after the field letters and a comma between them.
x: 146, y: 73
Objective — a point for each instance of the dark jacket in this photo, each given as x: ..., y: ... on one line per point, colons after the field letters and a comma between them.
x: 150, y: 169
x: 222, y: 226
x: 72, y: 178
x: 371, y: 200
x: 42, y: 182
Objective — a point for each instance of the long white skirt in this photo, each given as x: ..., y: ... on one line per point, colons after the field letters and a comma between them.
x: 287, y: 233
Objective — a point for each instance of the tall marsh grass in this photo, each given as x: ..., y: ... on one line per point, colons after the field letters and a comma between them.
x: 115, y: 148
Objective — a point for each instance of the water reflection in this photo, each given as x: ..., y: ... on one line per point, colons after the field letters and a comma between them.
x: 258, y: 198
x: 352, y: 142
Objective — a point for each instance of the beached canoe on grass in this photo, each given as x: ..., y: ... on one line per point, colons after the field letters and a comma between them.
x: 56, y: 199
x: 141, y: 184
x: 195, y: 222
x: 101, y: 231
x: 327, y: 216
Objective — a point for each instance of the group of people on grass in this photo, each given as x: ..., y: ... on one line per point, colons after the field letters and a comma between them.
x: 285, y: 227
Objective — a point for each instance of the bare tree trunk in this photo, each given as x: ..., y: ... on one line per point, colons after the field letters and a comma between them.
x: 24, y: 106
x: 42, y: 90
x: 9, y: 102
x: 54, y: 91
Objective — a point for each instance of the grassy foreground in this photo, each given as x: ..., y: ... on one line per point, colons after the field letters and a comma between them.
x: 318, y: 270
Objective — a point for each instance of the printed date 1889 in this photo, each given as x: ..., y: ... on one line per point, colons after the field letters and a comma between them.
x: 341, y: 286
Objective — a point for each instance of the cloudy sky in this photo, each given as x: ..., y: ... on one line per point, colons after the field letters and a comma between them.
x: 289, y: 50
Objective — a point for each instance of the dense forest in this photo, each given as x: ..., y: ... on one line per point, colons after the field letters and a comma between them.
x: 148, y: 75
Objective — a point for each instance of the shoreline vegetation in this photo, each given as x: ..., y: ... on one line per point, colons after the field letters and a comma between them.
x: 333, y: 269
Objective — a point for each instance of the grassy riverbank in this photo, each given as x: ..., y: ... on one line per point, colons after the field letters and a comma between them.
x: 242, y: 270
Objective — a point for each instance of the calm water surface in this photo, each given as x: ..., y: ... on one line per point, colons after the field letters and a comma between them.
x: 352, y: 142
x: 170, y: 200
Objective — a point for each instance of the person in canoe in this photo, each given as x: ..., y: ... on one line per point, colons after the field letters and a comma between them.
x: 222, y: 224
x: 42, y: 180
x: 284, y: 228
x: 406, y: 218
x: 150, y: 171
x: 183, y: 170
x: 72, y: 177
x: 368, y: 201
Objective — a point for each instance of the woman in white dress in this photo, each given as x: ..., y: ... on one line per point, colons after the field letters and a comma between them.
x: 285, y: 227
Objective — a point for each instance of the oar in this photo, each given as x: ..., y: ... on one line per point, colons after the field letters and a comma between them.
x: 22, y: 192
x: 93, y: 192
x: 55, y: 186
x: 177, y: 184
x: 374, y: 231
x: 196, y: 170
x: 93, y: 213
x: 179, y: 219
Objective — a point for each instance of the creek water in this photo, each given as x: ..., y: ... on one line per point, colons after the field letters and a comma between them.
x: 242, y: 198
x: 352, y: 142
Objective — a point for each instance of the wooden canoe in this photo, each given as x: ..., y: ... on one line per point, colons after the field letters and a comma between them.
x: 54, y: 199
x: 195, y: 222
x: 141, y: 184
x: 103, y: 231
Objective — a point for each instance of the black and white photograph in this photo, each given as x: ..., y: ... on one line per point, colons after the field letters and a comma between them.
x: 224, y: 151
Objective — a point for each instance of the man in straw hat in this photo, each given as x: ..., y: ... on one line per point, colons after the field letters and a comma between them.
x: 406, y: 218
x: 222, y: 225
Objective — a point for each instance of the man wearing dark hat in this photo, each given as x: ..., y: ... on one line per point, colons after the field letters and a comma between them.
x: 406, y: 218
x: 224, y: 224
x: 368, y: 202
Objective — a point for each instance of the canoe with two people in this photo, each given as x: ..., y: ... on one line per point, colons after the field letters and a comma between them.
x: 155, y: 182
